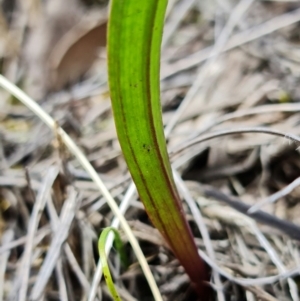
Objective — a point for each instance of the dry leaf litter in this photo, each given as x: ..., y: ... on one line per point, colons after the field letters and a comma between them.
x: 226, y: 66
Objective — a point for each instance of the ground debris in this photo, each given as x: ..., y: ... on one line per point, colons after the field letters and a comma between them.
x: 51, y: 213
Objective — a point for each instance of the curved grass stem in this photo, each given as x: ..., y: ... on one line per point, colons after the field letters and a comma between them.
x: 74, y: 149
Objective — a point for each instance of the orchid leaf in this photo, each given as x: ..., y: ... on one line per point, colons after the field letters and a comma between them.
x: 134, y: 40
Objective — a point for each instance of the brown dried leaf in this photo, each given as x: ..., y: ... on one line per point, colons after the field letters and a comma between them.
x: 63, y: 45
x: 76, y: 51
x: 57, y: 18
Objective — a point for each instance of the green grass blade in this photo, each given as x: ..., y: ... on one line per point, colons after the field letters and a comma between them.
x: 134, y: 39
x: 103, y: 258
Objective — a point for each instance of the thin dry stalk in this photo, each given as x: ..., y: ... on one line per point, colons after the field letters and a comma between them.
x: 22, y: 279
x: 236, y: 15
x: 61, y: 233
x: 10, y: 87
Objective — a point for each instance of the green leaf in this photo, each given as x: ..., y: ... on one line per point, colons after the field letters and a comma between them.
x: 134, y: 39
x: 103, y: 259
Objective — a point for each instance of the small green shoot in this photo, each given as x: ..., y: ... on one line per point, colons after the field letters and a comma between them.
x: 103, y: 259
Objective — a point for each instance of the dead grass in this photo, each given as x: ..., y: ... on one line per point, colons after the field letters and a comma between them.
x: 225, y: 66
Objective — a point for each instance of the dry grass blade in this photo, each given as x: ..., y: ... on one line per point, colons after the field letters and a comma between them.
x: 175, y: 19
x: 6, y: 239
x: 76, y: 268
x: 237, y: 40
x: 203, y: 230
x: 266, y: 109
x: 19, y: 94
x: 260, y: 293
x: 286, y: 227
x: 61, y: 233
x: 249, y: 282
x: 218, y: 134
x: 252, y: 83
x: 276, y: 196
x: 23, y: 278
x: 40, y: 234
x: 275, y: 258
x: 63, y: 294
x: 236, y: 15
